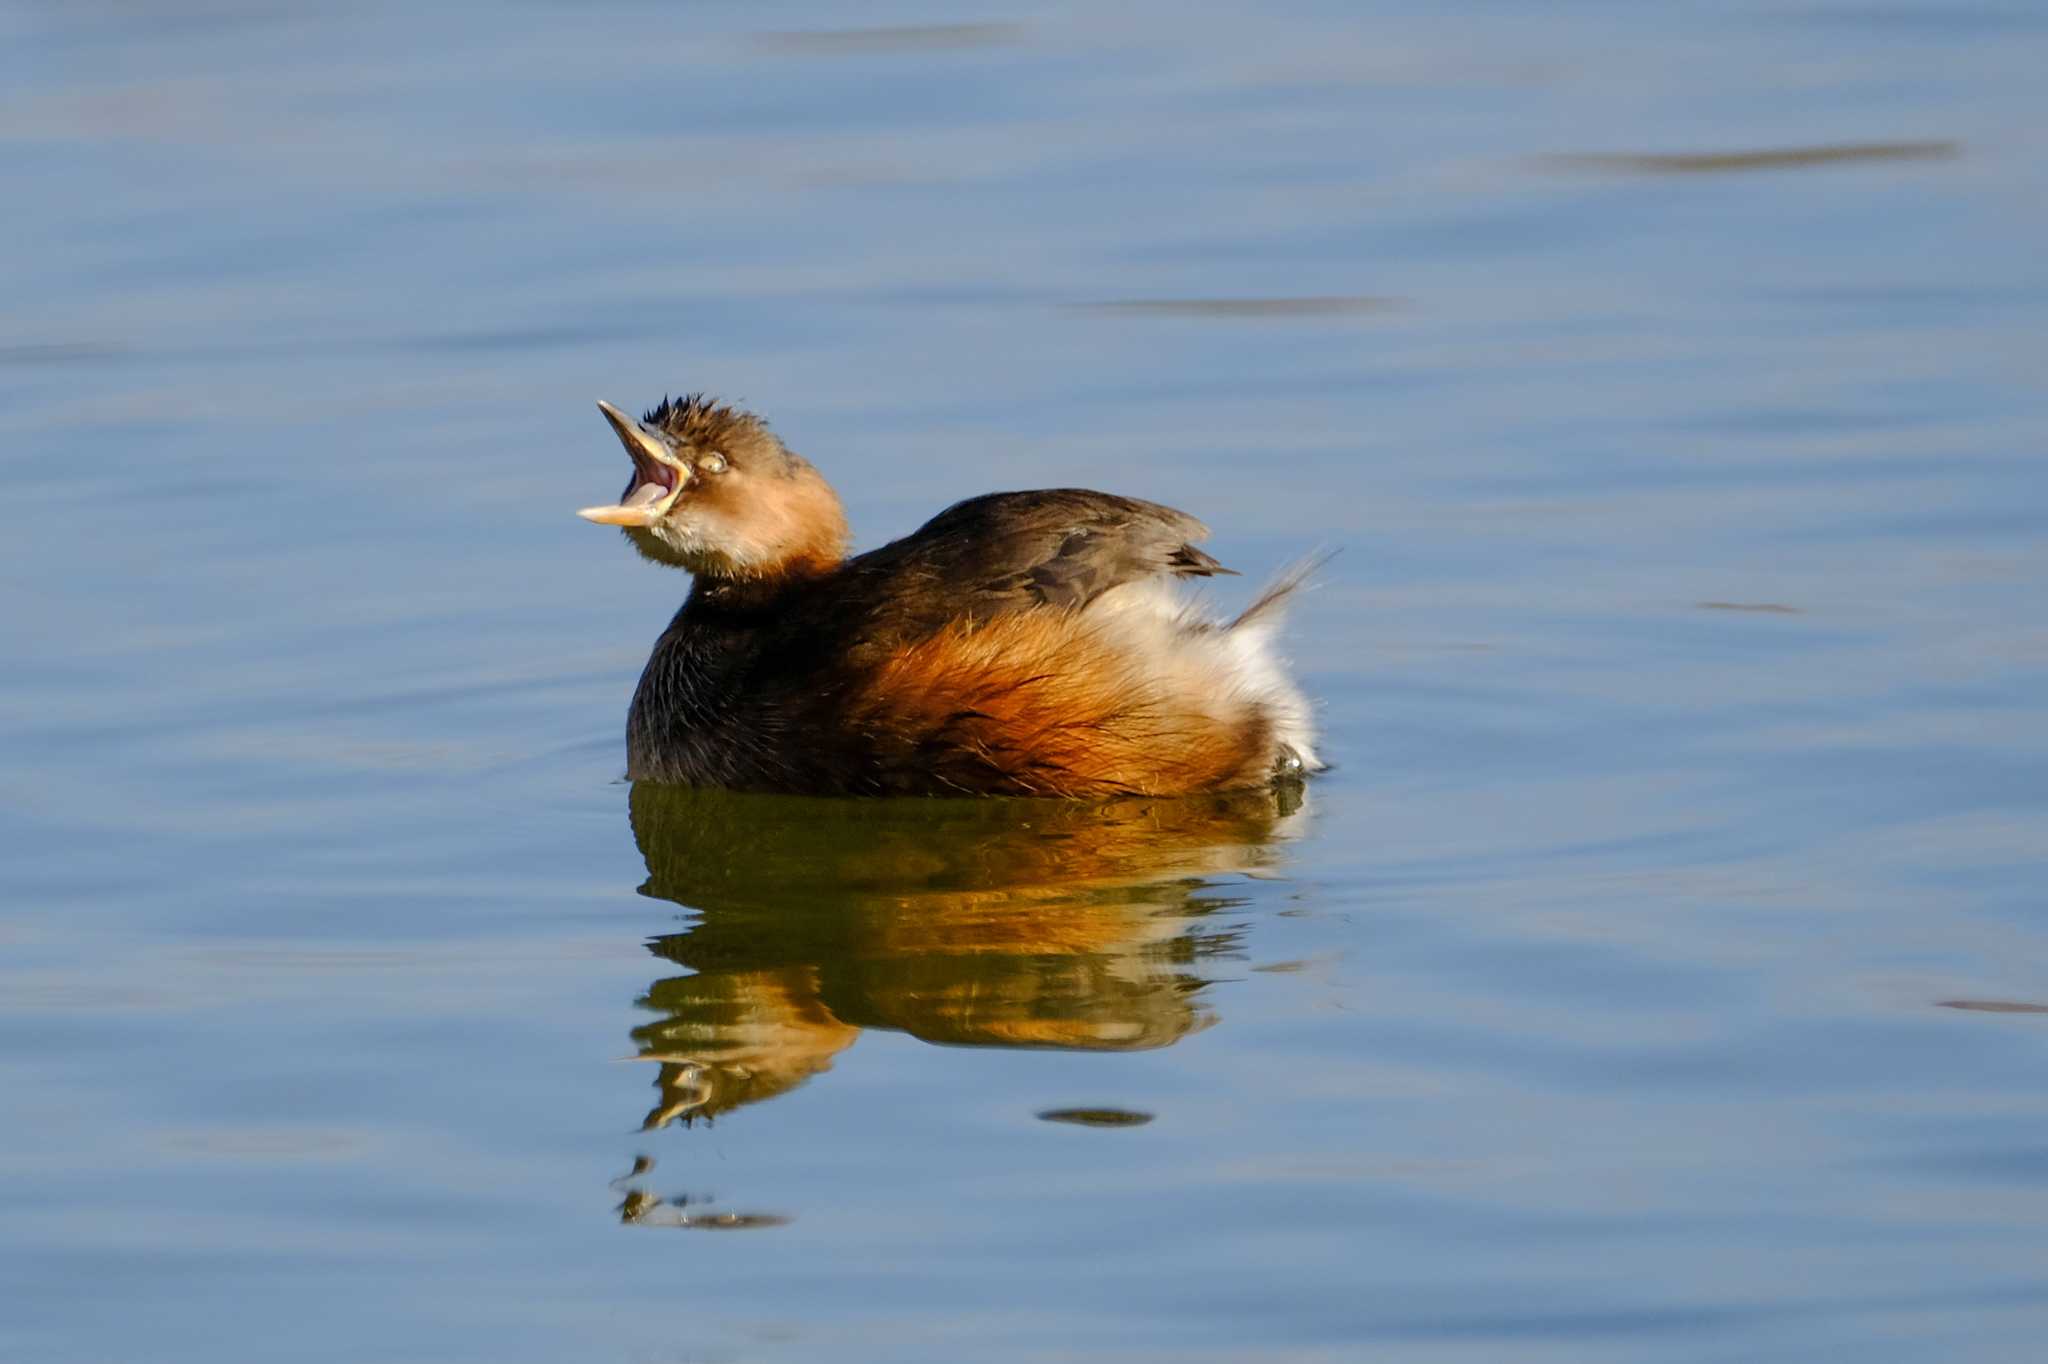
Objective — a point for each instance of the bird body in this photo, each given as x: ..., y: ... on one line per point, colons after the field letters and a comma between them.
x: 1025, y: 643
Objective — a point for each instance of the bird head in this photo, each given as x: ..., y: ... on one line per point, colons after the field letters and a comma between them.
x: 713, y: 491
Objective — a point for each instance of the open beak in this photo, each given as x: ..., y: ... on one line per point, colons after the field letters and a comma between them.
x: 659, y: 477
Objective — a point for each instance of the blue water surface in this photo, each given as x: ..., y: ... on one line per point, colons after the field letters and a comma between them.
x: 1661, y: 974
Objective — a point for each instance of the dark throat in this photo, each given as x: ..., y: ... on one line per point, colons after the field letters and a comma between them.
x: 742, y: 602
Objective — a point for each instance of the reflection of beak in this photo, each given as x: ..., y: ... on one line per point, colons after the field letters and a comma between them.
x: 659, y: 477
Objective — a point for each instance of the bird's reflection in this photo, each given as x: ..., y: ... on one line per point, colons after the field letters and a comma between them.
x: 975, y: 923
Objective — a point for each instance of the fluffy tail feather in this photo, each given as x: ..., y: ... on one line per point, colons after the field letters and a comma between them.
x: 1271, y: 603
x: 1251, y: 639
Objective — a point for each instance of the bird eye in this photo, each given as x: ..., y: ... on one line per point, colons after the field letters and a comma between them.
x: 712, y: 462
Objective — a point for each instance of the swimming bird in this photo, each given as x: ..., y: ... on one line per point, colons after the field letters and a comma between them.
x: 1020, y: 643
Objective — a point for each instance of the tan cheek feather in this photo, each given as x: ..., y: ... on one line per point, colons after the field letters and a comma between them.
x: 746, y: 527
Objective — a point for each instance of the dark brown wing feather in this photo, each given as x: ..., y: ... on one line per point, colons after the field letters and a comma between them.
x: 1003, y: 552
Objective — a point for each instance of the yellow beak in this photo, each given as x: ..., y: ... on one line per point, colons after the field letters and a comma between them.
x: 659, y: 476
x: 619, y: 515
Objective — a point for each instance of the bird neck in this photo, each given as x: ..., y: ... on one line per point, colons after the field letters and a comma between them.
x: 719, y: 598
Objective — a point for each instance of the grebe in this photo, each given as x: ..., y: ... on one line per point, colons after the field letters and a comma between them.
x: 1024, y: 644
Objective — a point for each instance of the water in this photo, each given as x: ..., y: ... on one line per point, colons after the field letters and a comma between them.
x: 1659, y: 975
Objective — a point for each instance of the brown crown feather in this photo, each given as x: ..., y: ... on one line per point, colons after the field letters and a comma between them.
x: 711, y: 425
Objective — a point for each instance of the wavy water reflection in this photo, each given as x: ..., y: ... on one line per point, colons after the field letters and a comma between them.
x: 1758, y: 159
x: 972, y: 923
